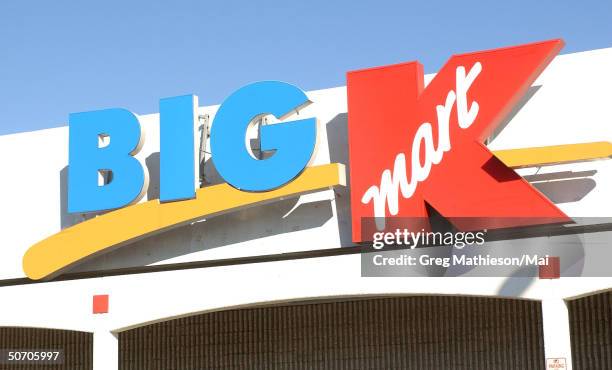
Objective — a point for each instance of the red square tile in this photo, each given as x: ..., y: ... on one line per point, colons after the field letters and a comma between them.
x: 100, y: 303
x: 552, y: 270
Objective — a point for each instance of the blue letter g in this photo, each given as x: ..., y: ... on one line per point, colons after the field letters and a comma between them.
x: 293, y: 142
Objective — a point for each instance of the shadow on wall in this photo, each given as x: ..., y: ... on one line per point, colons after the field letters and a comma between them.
x: 564, y: 186
x: 257, y: 222
x: 232, y: 228
x: 337, y: 138
x: 210, y: 174
x: 559, y: 187
x: 152, y: 162
x: 70, y: 219
x: 66, y: 219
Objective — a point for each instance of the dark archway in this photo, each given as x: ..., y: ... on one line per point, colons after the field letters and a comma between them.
x: 591, y: 331
x: 416, y: 332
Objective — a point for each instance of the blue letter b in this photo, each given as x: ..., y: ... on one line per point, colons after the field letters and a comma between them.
x: 87, y: 158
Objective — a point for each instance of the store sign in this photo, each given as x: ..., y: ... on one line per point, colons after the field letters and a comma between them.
x: 426, y: 145
x: 409, y: 145
x: 105, y: 142
x: 293, y: 144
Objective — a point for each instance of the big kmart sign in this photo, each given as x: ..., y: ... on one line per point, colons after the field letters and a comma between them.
x: 408, y: 145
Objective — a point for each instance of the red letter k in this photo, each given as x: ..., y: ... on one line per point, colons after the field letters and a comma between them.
x: 410, y: 145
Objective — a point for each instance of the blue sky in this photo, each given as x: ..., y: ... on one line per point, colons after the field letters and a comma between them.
x: 60, y: 57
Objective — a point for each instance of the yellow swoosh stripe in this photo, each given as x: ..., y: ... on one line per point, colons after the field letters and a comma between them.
x: 555, y: 154
x: 109, y: 231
